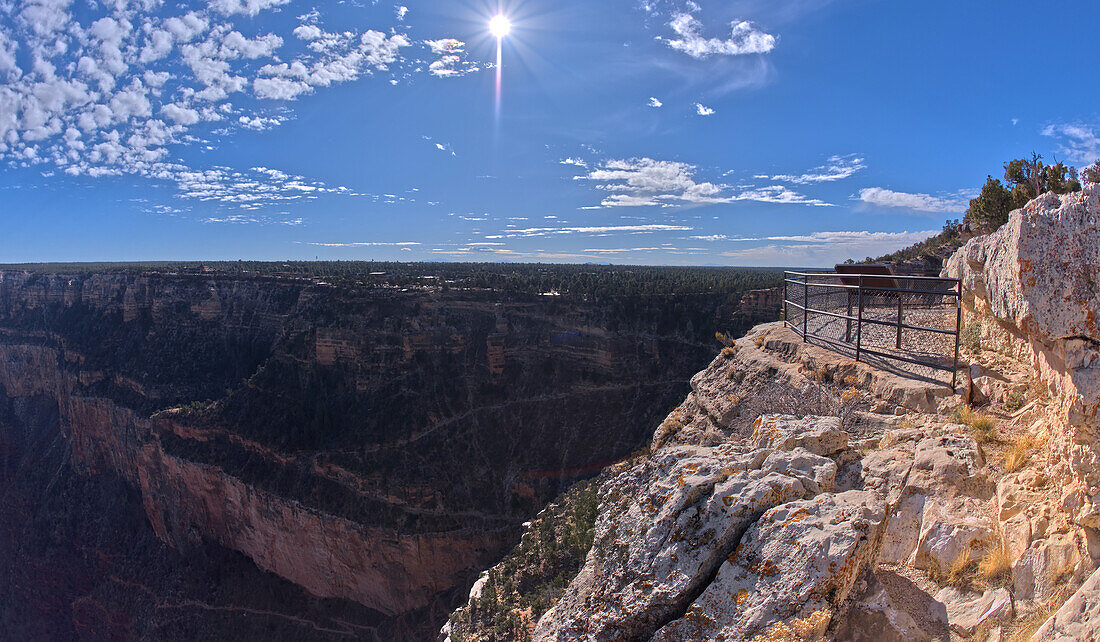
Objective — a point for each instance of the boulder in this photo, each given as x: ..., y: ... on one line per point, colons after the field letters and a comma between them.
x: 799, y: 561
x: 1078, y: 618
x: 1037, y: 573
x: 665, y: 527
x: 966, y: 610
x: 819, y: 435
x: 951, y: 529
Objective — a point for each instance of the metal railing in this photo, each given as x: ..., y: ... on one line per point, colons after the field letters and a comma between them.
x: 913, y: 319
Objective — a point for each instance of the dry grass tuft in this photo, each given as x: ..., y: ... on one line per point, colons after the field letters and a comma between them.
x: 1025, y: 628
x: 983, y: 426
x: 996, y: 565
x: 1018, y: 454
x: 811, y: 627
x: 848, y: 395
x: 759, y: 340
x: 729, y: 351
x: 961, y: 573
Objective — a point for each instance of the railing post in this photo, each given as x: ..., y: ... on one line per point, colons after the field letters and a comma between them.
x: 859, y: 322
x: 958, y: 329
x: 786, y: 308
x: 805, y: 304
x: 848, y: 321
x: 900, y: 299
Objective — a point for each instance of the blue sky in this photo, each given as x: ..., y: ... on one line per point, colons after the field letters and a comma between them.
x: 733, y: 132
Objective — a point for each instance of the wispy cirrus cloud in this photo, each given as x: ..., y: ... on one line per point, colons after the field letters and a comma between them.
x: 367, y: 244
x: 823, y: 248
x: 590, y: 230
x: 1077, y: 142
x: 646, y: 182
x: 882, y: 197
x: 835, y: 169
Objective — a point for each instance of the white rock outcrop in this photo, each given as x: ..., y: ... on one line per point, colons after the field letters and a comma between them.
x: 1033, y: 289
x: 1078, y: 618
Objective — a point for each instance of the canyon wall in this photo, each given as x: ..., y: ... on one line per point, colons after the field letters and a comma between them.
x: 798, y: 494
x: 358, y: 453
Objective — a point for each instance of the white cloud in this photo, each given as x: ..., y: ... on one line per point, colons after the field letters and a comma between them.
x: 653, y: 102
x: 179, y: 114
x: 641, y: 182
x: 158, y: 46
x: 369, y: 244
x: 778, y: 194
x: 703, y: 110
x: 824, y: 248
x: 452, y: 61
x: 591, y: 230
x: 247, y: 7
x: 337, y: 58
x: 400, y: 12
x: 837, y: 168
x: 308, y: 32
x: 883, y: 197
x: 744, y: 38
x: 576, y: 162
x: 279, y: 88
x: 260, y: 123
x: 184, y: 28
x: 1078, y: 143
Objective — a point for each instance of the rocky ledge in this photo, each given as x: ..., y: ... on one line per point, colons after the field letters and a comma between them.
x: 797, y: 494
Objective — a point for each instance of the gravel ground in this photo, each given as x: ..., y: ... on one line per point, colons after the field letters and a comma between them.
x: 915, y: 344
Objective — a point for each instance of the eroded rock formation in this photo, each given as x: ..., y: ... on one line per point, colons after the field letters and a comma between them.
x: 797, y: 494
x: 358, y: 455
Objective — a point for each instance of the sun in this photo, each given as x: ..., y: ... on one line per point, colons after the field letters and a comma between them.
x: 500, y: 25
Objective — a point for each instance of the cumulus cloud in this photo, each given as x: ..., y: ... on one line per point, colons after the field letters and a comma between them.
x: 703, y: 110
x: 247, y: 7
x: 744, y: 38
x: 260, y: 123
x: 653, y: 102
x: 837, y: 168
x: 335, y: 58
x: 1078, y: 143
x: 107, y: 90
x: 451, y: 61
x: 883, y: 197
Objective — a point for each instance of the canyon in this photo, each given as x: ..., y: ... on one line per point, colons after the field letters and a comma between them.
x: 202, y: 454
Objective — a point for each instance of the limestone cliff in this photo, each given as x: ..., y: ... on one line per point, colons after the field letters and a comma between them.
x: 797, y: 494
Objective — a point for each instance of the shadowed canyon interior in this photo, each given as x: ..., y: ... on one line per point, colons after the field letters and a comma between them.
x: 184, y: 454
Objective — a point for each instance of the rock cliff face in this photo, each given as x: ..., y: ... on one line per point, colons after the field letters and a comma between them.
x: 797, y: 494
x: 349, y: 457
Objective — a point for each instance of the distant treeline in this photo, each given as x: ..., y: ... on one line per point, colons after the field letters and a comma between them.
x: 595, y: 281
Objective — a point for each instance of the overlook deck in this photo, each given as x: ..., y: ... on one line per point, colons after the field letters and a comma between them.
x: 873, y: 314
